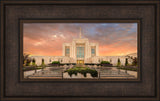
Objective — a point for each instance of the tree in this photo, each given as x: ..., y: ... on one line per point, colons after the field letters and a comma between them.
x: 126, y: 62
x: 25, y: 57
x: 33, y: 61
x: 42, y: 62
x: 134, y: 62
x: 28, y: 61
x: 118, y: 62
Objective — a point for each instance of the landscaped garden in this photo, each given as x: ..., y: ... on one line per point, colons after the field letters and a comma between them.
x: 30, y: 64
x: 132, y: 67
x: 82, y: 70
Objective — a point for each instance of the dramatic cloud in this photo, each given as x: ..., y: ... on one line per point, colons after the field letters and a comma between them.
x: 46, y: 39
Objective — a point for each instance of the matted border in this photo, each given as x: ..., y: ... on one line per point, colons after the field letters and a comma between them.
x: 22, y: 21
x: 156, y: 3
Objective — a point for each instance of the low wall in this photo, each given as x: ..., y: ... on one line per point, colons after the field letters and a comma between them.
x: 93, y: 60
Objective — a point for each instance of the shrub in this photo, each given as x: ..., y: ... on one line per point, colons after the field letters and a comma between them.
x: 33, y: 62
x: 43, y: 64
x: 28, y: 61
x: 55, y: 62
x: 105, y: 62
x: 134, y: 62
x: 83, y: 71
x: 118, y: 62
x: 126, y: 62
x: 25, y: 57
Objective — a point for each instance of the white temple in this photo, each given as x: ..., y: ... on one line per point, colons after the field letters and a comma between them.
x: 80, y: 50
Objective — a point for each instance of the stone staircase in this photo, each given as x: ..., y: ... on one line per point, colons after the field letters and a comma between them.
x: 114, y: 73
x: 47, y: 73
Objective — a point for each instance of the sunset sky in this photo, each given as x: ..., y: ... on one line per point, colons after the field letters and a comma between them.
x: 46, y: 39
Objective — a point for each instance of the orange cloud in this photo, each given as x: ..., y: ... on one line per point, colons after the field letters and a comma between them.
x: 46, y: 39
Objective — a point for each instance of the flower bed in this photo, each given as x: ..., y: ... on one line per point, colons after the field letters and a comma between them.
x: 82, y: 70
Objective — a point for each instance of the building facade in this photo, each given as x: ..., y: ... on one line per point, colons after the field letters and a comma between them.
x: 80, y: 50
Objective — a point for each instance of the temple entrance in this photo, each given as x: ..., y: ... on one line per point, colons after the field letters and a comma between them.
x: 80, y: 61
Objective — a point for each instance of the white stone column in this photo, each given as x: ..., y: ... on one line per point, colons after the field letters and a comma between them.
x: 89, y: 51
x: 97, y: 49
x: 74, y: 50
x: 71, y: 50
x: 86, y: 53
x: 63, y: 49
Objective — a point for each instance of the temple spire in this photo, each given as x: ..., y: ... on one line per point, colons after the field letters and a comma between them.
x: 80, y: 34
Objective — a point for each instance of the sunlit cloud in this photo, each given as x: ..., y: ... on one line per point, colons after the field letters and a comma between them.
x: 46, y: 39
x: 62, y: 36
x: 54, y: 36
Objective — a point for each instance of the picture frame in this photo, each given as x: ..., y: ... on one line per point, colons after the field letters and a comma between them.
x: 145, y: 88
x: 24, y: 21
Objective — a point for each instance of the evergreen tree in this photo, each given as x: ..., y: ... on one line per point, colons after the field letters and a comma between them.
x: 28, y: 61
x: 33, y: 61
x: 42, y: 62
x: 118, y: 62
x: 126, y: 62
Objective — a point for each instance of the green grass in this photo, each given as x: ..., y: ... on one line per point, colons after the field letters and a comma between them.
x: 82, y: 70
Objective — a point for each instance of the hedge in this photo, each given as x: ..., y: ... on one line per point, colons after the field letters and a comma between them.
x: 82, y: 70
x: 105, y: 62
x: 55, y: 62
